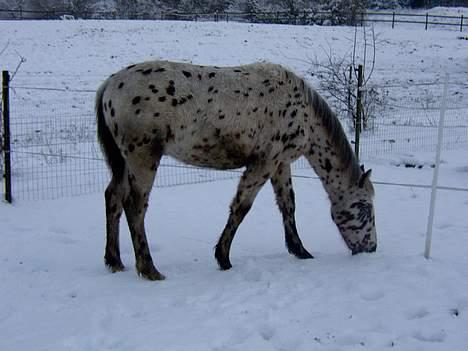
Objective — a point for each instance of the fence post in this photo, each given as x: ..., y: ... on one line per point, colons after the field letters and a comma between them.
x: 6, y: 134
x: 427, y: 19
x: 435, y: 176
x: 393, y: 20
x: 350, y: 108
x: 357, y: 126
x: 461, y: 24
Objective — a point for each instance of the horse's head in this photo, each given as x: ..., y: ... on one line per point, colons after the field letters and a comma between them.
x: 354, y: 215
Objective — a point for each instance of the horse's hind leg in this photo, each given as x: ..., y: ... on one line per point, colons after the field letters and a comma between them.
x: 250, y: 183
x: 114, y: 195
x: 140, y: 179
x: 282, y: 185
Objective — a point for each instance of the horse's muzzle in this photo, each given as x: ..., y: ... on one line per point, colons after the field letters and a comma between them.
x: 361, y: 249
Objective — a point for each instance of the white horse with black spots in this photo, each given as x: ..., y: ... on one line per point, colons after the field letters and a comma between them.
x: 260, y: 116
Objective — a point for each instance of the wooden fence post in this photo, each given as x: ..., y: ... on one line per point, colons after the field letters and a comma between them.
x: 357, y: 126
x: 6, y: 134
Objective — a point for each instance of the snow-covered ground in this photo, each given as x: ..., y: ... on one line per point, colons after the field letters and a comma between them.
x: 55, y: 293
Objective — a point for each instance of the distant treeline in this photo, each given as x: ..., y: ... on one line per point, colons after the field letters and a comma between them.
x: 148, y: 8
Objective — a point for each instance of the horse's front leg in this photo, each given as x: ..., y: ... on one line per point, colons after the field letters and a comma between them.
x: 282, y: 185
x: 250, y: 184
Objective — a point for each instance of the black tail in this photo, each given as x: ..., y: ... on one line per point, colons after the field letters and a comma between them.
x: 111, y: 151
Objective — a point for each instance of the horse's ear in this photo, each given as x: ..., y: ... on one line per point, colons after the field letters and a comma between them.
x: 362, y: 168
x: 364, y: 177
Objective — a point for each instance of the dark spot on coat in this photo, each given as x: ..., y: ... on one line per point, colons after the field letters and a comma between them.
x: 170, y: 90
x: 187, y: 74
x: 131, y: 147
x: 211, y: 75
x: 162, y: 99
x: 147, y: 71
x: 112, y: 112
x: 169, y: 134
x: 121, y: 85
x: 174, y: 102
x: 136, y: 100
x: 328, y: 166
x: 210, y: 89
x: 159, y: 70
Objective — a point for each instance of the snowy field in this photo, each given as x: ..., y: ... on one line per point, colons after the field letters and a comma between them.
x: 55, y: 293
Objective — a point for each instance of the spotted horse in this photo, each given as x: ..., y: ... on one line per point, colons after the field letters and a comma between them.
x: 260, y: 116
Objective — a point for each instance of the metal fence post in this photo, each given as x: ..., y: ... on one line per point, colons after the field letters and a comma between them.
x: 393, y: 20
x: 427, y: 19
x: 357, y: 126
x: 461, y: 24
x: 6, y: 134
x: 435, y: 177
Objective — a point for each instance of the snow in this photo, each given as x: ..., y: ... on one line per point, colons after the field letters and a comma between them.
x: 56, y: 294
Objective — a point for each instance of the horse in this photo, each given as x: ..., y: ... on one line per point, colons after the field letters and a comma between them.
x: 260, y: 117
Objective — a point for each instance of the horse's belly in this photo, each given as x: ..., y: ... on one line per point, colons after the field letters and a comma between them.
x: 219, y: 155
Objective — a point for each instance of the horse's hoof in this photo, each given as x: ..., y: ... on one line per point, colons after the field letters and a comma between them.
x: 223, y: 260
x: 150, y: 273
x: 301, y: 253
x: 304, y: 255
x: 114, y: 265
x: 153, y: 276
x: 224, y: 265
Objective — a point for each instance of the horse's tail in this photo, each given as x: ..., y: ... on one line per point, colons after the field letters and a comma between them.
x: 109, y: 148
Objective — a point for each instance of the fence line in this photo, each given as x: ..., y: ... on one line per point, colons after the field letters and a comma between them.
x: 54, y: 150
x: 304, y: 17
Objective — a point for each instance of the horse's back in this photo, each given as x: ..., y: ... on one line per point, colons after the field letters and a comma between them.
x: 220, y: 117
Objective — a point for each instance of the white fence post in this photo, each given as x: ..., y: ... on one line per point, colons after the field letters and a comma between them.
x: 435, y: 176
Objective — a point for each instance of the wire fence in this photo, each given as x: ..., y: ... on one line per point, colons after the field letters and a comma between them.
x: 298, y: 17
x: 54, y: 152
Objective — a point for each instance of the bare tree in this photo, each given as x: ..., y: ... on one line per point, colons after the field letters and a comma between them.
x: 338, y: 78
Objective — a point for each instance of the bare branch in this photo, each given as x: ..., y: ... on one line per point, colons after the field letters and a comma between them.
x: 22, y: 60
x: 5, y: 47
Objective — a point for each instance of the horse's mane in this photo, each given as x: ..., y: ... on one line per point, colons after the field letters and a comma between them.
x: 333, y: 127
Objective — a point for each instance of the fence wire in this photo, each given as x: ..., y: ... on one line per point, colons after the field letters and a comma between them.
x: 55, y: 152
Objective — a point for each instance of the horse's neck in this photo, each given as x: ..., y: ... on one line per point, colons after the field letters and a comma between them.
x: 326, y: 159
